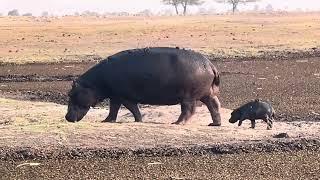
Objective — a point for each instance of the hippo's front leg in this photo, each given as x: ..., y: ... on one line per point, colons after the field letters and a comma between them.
x: 240, y: 122
x: 253, y: 124
x: 187, y: 111
x: 242, y: 118
x: 113, y: 112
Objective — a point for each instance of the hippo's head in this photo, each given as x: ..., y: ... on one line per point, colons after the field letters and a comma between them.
x: 80, y: 100
x: 235, y: 116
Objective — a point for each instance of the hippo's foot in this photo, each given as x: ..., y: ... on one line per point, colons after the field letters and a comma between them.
x: 214, y: 124
x: 216, y: 120
x: 178, y: 123
x: 138, y: 120
x: 109, y: 121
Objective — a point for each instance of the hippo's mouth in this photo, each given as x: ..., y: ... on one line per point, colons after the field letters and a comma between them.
x: 232, y: 121
x: 74, y: 117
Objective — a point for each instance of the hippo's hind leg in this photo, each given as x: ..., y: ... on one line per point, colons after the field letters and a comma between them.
x: 187, y: 110
x: 269, y: 122
x: 114, y: 109
x: 134, y: 109
x: 213, y: 104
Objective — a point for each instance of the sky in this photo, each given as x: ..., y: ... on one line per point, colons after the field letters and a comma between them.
x: 61, y: 7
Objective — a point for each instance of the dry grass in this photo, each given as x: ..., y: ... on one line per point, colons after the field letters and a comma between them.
x: 25, y: 39
x: 44, y: 126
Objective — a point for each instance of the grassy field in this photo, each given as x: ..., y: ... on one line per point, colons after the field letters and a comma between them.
x: 30, y: 39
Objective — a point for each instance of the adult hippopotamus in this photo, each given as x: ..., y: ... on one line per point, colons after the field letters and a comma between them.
x: 154, y: 76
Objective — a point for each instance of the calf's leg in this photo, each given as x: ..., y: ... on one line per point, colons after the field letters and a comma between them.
x: 253, y: 124
x: 268, y: 121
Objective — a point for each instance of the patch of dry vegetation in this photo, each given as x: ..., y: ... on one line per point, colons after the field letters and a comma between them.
x: 29, y: 39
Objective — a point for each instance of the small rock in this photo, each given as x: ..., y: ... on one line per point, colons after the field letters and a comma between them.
x: 281, y: 135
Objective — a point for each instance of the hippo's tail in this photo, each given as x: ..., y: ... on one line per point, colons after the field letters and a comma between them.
x: 273, y: 115
x: 216, y: 81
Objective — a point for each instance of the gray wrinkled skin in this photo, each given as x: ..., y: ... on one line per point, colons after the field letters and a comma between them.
x: 254, y: 110
x: 155, y: 76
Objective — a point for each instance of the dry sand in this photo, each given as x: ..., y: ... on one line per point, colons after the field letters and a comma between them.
x: 44, y: 125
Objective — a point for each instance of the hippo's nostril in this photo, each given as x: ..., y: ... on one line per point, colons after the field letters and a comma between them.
x: 69, y: 118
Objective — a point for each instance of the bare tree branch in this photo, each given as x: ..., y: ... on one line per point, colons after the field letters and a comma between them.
x: 174, y: 3
x: 184, y: 3
x: 235, y: 3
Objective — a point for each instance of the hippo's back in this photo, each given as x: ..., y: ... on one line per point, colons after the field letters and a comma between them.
x: 257, y: 109
x: 158, y: 75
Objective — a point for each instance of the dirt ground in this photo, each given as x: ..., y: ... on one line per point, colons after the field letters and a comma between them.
x: 44, y: 122
x: 289, y: 165
x: 70, y: 39
x: 253, y: 62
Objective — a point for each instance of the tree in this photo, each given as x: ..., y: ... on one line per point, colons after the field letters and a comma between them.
x: 174, y: 3
x: 27, y: 14
x: 146, y: 12
x: 269, y: 8
x: 256, y: 8
x: 14, y: 12
x: 235, y: 3
x: 44, y: 14
x: 186, y: 3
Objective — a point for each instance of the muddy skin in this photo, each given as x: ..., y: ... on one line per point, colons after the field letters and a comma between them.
x: 254, y: 110
x: 154, y: 76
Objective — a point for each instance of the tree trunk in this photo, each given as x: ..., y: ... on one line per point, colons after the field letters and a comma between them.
x: 185, y: 8
x: 234, y: 7
x: 177, y: 11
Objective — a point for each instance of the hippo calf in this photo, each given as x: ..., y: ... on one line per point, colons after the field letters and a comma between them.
x: 155, y: 76
x: 253, y: 110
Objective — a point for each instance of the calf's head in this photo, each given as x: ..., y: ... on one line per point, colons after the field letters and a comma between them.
x: 235, y: 116
x: 80, y: 100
